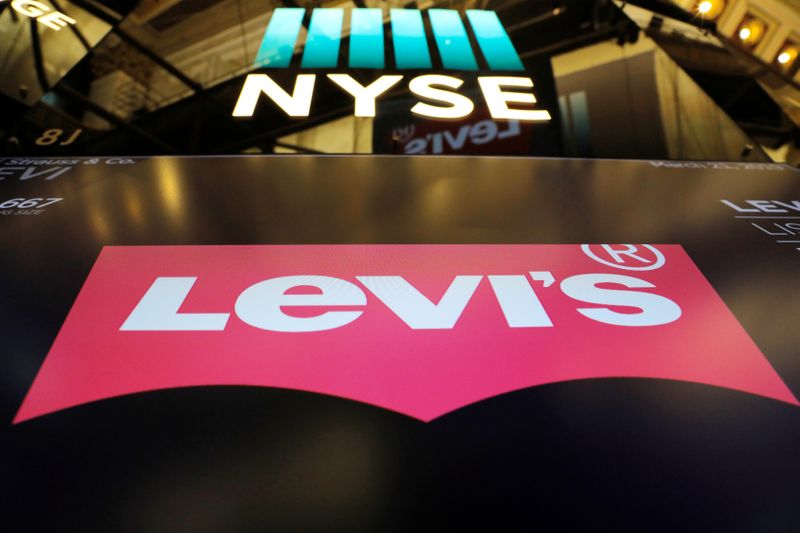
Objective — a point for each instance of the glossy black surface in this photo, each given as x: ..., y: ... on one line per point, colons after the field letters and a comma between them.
x: 599, y: 454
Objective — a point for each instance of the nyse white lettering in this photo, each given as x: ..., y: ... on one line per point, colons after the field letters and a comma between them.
x: 437, y: 88
x: 364, y: 96
x: 458, y: 106
x: 263, y: 304
x: 497, y: 99
x: 297, y: 104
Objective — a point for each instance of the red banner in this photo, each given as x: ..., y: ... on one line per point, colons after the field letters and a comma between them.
x: 419, y: 329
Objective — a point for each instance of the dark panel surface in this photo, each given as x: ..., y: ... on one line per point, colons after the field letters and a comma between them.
x: 610, y: 453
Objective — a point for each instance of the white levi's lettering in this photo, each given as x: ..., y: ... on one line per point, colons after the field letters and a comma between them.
x: 414, y: 308
x: 655, y: 310
x: 158, y: 309
x: 262, y: 304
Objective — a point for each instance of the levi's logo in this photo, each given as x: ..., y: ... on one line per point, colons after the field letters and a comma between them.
x: 418, y: 329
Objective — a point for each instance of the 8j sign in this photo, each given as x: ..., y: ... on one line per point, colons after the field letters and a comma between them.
x: 418, y: 329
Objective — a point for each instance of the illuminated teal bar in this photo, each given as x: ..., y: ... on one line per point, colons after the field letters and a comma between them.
x: 408, y: 36
x: 451, y: 39
x: 324, y: 36
x: 493, y: 40
x: 366, y: 38
x: 277, y: 46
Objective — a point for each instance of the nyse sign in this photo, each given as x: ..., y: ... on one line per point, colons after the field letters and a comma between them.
x: 507, y: 97
x: 433, y: 87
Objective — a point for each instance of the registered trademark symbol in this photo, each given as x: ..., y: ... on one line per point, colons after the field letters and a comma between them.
x: 627, y: 256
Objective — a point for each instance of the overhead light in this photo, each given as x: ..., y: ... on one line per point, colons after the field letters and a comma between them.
x: 710, y: 9
x: 787, y: 55
x: 751, y: 31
